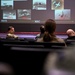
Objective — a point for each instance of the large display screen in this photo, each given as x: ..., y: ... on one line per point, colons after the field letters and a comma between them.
x: 37, y: 11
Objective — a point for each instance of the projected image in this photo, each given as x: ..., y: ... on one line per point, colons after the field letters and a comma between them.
x: 6, y: 4
x: 9, y: 14
x: 39, y: 4
x: 20, y: 0
x: 24, y: 14
x: 37, y: 11
x: 57, y: 4
x: 62, y: 14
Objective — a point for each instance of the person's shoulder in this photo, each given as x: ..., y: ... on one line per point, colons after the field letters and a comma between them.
x: 38, y: 35
x: 9, y: 34
x: 39, y: 40
x: 60, y: 40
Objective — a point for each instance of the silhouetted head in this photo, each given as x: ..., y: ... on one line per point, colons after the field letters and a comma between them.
x: 61, y: 63
x: 11, y: 29
x: 42, y: 29
x: 50, y: 26
x: 70, y: 32
x: 6, y: 69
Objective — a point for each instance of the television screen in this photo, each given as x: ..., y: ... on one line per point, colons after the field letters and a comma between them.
x: 37, y: 11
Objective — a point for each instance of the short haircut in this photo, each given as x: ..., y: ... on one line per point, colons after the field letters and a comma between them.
x: 42, y: 29
x: 10, y: 27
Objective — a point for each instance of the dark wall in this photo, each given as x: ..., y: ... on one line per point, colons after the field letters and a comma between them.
x: 61, y: 28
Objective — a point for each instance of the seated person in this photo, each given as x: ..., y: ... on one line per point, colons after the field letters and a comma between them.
x: 42, y: 30
x: 6, y: 69
x: 10, y: 33
x: 60, y: 63
x: 49, y: 36
x: 70, y: 33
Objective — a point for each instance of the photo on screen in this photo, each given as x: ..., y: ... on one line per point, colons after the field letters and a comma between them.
x: 24, y: 14
x: 20, y: 0
x: 37, y: 11
x: 9, y: 14
x: 7, y: 4
x: 39, y: 4
x: 57, y: 4
x: 63, y: 14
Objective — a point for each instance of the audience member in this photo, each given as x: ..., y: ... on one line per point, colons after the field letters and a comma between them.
x: 10, y: 33
x: 42, y: 30
x: 62, y: 63
x: 49, y: 34
x: 6, y: 69
x: 70, y: 33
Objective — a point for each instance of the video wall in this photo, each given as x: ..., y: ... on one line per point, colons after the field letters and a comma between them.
x: 37, y: 11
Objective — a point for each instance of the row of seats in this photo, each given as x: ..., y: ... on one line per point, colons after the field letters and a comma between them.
x: 33, y: 41
x: 30, y: 43
x: 27, y: 56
